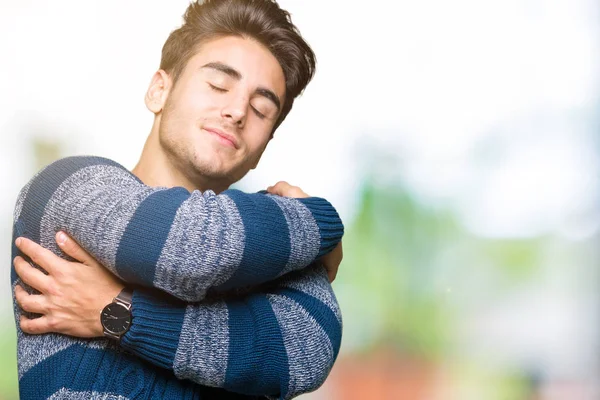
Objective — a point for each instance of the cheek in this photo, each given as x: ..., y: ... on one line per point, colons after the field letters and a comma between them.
x: 177, y: 127
x: 257, y: 141
x: 192, y: 104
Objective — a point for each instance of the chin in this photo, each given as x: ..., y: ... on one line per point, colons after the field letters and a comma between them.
x: 217, y: 167
x: 209, y: 169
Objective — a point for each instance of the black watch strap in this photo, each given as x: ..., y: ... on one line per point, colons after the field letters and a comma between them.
x: 125, y: 296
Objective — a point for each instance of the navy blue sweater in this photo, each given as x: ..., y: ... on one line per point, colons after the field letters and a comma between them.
x: 228, y: 295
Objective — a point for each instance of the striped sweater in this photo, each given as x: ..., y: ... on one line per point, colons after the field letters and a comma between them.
x: 193, y: 336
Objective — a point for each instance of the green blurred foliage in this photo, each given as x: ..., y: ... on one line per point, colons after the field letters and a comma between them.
x: 8, y: 367
x: 390, y: 260
x: 409, y: 268
x: 517, y: 258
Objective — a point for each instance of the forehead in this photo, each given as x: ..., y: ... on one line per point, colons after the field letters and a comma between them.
x: 257, y: 65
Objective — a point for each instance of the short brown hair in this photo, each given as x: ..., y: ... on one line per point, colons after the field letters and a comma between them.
x: 261, y: 20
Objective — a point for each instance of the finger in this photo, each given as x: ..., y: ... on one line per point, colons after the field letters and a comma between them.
x: 33, y: 303
x: 333, y: 260
x: 39, y: 255
x: 73, y: 249
x: 297, y: 193
x: 332, y: 270
x: 331, y: 274
x: 284, y: 189
x: 279, y: 188
x: 34, y: 326
x: 328, y: 270
x: 272, y: 190
x: 337, y: 254
x: 339, y: 250
x: 30, y: 275
x: 282, y: 184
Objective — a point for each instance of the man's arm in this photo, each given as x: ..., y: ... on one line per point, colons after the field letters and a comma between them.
x: 282, y: 341
x: 181, y: 243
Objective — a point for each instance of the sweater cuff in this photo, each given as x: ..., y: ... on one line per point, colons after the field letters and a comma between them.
x: 328, y: 220
x: 155, y: 328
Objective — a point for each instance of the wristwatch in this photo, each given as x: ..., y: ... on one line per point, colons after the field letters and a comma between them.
x: 116, y: 317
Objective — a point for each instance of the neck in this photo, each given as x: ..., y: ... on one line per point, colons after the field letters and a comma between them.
x: 155, y: 168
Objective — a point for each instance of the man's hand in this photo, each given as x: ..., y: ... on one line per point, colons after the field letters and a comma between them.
x: 331, y: 261
x: 72, y: 295
x: 284, y: 189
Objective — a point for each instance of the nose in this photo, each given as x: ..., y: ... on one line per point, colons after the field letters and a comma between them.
x: 235, y: 110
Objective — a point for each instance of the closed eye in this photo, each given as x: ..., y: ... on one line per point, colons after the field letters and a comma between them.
x: 258, y: 113
x: 217, y: 89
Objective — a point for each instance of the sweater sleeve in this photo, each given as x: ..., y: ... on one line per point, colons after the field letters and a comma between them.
x: 281, y: 341
x: 179, y: 242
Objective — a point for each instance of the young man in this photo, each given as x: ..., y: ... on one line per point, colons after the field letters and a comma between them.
x: 255, y: 313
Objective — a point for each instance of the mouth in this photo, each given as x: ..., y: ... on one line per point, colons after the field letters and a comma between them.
x: 223, y: 137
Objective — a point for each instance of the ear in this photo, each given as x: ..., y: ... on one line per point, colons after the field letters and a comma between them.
x: 158, y: 91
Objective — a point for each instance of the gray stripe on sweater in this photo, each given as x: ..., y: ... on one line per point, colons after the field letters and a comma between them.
x: 68, y: 394
x: 33, y: 349
x: 314, y: 281
x: 203, y: 347
x: 219, y: 228
x: 304, y: 233
x: 72, y: 199
x: 20, y: 200
x: 313, y: 352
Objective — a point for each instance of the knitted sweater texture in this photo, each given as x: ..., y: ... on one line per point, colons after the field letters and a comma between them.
x: 228, y: 299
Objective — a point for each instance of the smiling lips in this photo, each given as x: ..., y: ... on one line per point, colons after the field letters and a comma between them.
x: 224, y: 138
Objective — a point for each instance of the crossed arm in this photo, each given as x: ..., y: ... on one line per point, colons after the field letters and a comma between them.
x: 292, y: 326
x: 281, y: 338
x: 182, y: 243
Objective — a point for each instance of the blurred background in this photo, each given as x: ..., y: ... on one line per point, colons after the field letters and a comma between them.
x: 459, y: 141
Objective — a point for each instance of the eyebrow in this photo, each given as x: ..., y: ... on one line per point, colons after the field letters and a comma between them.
x: 226, y: 69
x: 269, y: 95
x: 235, y: 74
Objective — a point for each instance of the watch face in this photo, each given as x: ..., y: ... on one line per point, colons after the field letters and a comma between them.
x: 116, y: 318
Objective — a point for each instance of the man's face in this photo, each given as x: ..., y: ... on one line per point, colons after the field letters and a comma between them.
x: 218, y: 117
